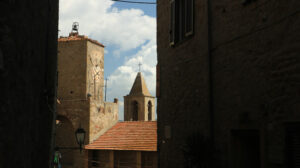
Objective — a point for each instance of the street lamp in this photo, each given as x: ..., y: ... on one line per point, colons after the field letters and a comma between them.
x: 80, y: 136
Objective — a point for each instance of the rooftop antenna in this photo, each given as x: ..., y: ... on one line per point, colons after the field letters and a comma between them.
x: 75, y: 27
x: 105, y: 88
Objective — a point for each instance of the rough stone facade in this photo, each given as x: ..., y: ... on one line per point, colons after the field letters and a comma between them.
x: 132, y: 143
x: 233, y: 85
x: 80, y: 95
x: 28, y: 45
x: 139, y: 104
x: 102, y: 120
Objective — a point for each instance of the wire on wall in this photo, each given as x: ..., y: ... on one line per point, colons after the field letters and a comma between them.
x: 137, y: 2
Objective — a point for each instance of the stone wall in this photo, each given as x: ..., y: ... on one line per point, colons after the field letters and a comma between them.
x: 263, y: 76
x: 147, y: 100
x: 239, y: 71
x: 77, y: 114
x: 142, y: 107
x: 28, y: 52
x: 103, y: 116
x: 80, y: 95
x: 95, y: 71
x: 73, y: 100
x: 72, y: 70
x: 183, y: 101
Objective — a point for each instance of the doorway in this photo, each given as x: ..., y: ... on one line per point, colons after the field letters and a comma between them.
x: 245, y: 147
x: 293, y: 145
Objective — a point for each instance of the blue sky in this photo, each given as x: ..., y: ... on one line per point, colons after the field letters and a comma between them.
x: 149, y: 10
x: 113, y: 63
x: 129, y: 33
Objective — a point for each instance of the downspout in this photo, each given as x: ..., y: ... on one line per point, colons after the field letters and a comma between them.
x: 210, y: 71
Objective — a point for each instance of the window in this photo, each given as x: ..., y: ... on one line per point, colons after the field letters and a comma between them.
x: 182, y: 20
x: 135, y: 112
x: 149, y: 111
x: 95, y: 156
x: 189, y: 17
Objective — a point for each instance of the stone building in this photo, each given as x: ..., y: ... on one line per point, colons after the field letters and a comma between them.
x: 132, y: 143
x: 139, y: 104
x: 80, y: 96
x: 228, y: 83
x: 28, y: 56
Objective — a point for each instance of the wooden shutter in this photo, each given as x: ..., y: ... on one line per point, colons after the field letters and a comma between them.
x: 293, y: 146
x: 189, y: 17
x: 172, y: 22
x: 181, y: 19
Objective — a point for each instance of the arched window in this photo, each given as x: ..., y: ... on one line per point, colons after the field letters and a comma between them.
x: 135, y: 111
x: 149, y: 111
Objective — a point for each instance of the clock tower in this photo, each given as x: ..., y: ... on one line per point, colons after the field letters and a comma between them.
x: 80, y: 94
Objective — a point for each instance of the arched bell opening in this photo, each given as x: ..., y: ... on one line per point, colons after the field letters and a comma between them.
x: 149, y: 111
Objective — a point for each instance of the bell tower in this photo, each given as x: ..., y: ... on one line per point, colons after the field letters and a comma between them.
x: 139, y: 104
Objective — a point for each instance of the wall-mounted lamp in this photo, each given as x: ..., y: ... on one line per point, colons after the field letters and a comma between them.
x: 80, y: 136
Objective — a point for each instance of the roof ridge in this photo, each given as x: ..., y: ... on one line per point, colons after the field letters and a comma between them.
x: 139, y: 86
x: 79, y: 37
x: 128, y: 135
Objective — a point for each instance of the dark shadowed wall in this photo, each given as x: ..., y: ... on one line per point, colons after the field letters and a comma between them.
x: 28, y: 51
x: 230, y: 92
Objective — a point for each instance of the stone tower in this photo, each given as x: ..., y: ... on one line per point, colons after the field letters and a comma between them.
x: 139, y: 105
x: 80, y: 95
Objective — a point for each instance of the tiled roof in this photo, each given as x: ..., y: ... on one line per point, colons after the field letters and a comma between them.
x: 139, y: 86
x: 128, y: 135
x: 78, y: 37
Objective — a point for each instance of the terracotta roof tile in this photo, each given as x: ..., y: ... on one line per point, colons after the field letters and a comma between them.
x: 79, y: 37
x: 128, y: 135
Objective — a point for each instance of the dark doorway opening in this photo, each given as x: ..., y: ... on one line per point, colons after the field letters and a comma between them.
x: 65, y: 137
x: 245, y: 146
x: 293, y: 145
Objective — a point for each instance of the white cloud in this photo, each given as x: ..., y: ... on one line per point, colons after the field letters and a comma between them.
x: 126, y: 30
x: 121, y: 80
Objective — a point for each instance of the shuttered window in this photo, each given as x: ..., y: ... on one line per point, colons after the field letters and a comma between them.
x: 172, y: 23
x: 181, y: 20
x: 189, y: 15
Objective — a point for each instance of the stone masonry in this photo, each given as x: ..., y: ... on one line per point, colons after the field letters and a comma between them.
x: 139, y: 102
x: 28, y: 56
x: 229, y: 93
x: 80, y: 94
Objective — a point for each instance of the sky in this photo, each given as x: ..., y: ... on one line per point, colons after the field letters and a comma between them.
x: 128, y: 32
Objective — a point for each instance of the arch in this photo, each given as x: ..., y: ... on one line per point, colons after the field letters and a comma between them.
x: 149, y: 110
x: 65, y: 137
x: 135, y: 111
